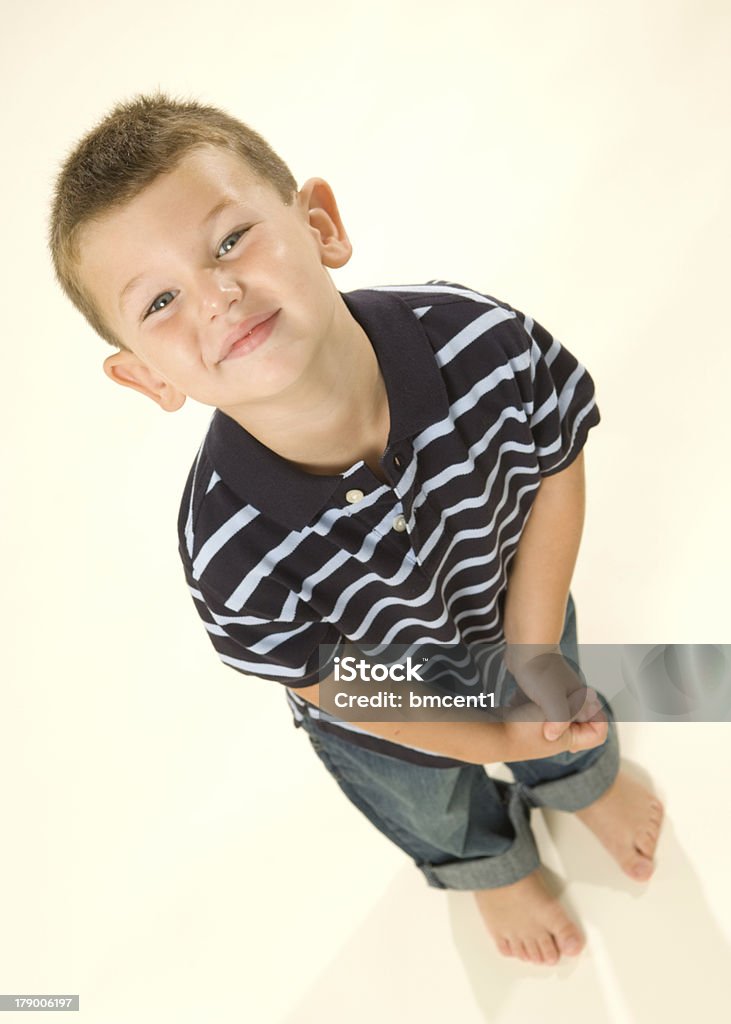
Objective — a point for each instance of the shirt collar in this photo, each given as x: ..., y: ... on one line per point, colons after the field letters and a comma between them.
x: 416, y: 397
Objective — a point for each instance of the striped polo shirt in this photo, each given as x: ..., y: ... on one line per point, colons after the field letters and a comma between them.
x: 483, y: 402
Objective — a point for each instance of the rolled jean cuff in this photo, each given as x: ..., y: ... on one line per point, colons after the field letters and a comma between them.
x: 501, y: 869
x: 573, y: 792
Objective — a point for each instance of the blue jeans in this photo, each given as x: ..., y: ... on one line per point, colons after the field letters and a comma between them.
x: 462, y: 828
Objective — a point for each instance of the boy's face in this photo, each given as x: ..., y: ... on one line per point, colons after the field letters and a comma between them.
x: 183, y: 270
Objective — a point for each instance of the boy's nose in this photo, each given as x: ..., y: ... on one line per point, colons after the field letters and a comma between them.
x: 218, y: 290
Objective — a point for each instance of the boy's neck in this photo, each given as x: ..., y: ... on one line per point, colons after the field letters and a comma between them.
x: 337, y: 416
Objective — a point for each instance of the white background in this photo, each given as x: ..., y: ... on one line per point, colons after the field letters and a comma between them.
x: 172, y: 849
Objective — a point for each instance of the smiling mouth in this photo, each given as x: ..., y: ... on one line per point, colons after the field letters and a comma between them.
x: 252, y: 339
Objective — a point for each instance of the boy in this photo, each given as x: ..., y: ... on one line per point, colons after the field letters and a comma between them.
x: 391, y: 465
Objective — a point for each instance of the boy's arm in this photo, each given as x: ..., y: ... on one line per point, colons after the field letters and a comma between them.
x: 538, y: 587
x: 478, y: 742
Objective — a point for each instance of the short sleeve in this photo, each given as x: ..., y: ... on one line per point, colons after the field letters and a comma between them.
x: 295, y: 654
x: 558, y: 398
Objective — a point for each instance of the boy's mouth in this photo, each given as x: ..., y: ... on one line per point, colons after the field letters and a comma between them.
x: 247, y: 335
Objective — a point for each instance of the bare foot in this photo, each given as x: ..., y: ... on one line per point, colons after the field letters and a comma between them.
x: 527, y: 922
x: 627, y: 820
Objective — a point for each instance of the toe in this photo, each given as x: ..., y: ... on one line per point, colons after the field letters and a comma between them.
x: 504, y: 946
x: 569, y: 941
x: 549, y: 950
x: 534, y: 951
x: 523, y: 952
x: 646, y: 843
x: 655, y: 812
x: 640, y: 868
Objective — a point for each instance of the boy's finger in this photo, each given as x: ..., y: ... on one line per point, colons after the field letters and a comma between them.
x: 553, y: 730
x: 558, y: 714
x: 585, y: 735
x: 583, y: 705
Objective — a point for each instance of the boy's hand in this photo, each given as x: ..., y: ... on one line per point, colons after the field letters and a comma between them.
x: 525, y: 729
x: 549, y: 682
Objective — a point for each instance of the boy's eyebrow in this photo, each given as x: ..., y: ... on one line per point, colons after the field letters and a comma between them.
x: 218, y: 208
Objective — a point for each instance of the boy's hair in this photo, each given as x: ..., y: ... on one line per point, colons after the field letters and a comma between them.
x: 137, y: 141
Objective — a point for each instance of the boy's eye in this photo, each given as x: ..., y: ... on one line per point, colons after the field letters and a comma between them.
x: 229, y: 242
x: 160, y: 303
x: 166, y: 298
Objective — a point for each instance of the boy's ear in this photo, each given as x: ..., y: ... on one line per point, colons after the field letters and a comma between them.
x: 127, y: 369
x: 317, y: 201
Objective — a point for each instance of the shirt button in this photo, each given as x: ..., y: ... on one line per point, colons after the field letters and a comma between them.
x: 399, y: 524
x: 354, y: 495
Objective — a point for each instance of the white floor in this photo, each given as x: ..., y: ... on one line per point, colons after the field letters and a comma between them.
x: 214, y: 887
x: 655, y: 952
